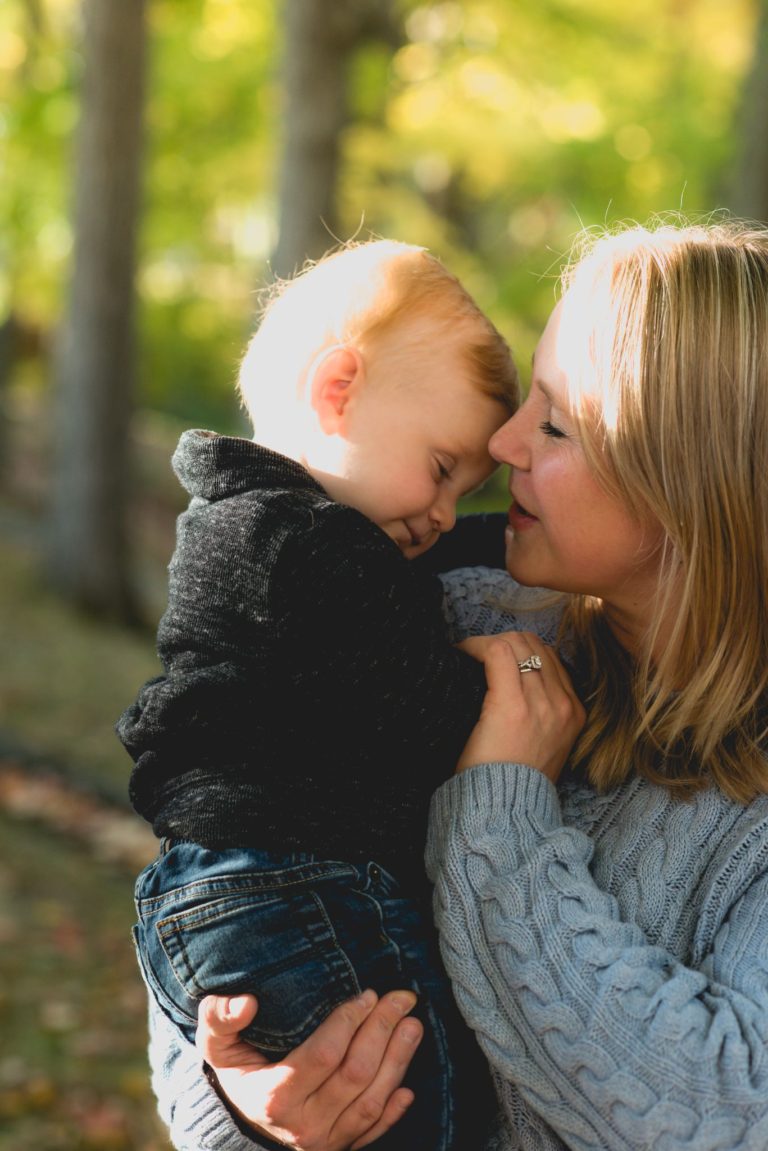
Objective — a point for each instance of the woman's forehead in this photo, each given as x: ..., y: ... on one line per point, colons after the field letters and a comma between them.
x: 550, y: 359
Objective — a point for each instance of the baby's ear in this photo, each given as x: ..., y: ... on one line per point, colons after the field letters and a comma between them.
x: 337, y: 375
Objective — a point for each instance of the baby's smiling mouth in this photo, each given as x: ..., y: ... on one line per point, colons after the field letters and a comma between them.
x: 416, y: 538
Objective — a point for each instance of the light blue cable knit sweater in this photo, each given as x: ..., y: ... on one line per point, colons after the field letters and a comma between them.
x: 610, y: 951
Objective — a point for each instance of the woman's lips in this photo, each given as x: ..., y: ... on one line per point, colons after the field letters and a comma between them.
x: 519, y: 518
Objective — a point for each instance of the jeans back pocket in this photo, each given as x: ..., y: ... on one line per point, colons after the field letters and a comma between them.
x: 274, y: 940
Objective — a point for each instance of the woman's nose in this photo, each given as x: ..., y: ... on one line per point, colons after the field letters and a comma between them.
x: 505, y: 445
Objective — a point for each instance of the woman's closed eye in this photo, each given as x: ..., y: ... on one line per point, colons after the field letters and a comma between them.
x: 549, y: 429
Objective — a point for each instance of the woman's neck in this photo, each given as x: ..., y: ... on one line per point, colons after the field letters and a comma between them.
x: 635, y: 624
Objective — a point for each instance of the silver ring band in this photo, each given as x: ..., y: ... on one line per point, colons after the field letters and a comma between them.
x: 533, y: 663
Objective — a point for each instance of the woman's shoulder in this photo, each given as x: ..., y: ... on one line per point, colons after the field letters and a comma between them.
x: 485, y: 601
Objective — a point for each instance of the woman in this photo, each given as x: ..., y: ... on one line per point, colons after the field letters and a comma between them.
x: 606, y: 929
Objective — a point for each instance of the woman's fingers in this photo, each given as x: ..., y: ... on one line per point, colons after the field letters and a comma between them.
x: 551, y: 664
x: 219, y: 1021
x: 524, y: 644
x: 246, y: 1077
x: 323, y: 1056
x: 560, y: 687
x: 503, y: 714
x: 357, y: 1064
x: 338, y: 1087
x: 365, y: 1090
x: 552, y: 675
x: 529, y: 717
x: 398, y: 1104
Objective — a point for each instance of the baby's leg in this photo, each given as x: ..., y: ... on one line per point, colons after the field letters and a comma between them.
x: 304, y: 936
x: 454, y: 1098
x: 239, y: 920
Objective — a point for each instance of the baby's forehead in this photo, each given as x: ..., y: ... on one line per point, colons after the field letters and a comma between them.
x: 470, y: 420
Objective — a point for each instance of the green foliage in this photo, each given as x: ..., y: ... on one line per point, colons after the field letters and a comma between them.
x: 188, y: 362
x: 517, y: 123
x: 38, y: 60
x: 490, y: 134
x: 208, y: 223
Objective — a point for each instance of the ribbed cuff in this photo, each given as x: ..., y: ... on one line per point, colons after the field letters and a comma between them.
x: 207, y: 1123
x: 492, y: 797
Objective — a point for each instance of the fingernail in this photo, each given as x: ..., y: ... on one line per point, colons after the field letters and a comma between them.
x: 367, y: 999
x: 235, y: 1005
x: 410, y: 1032
x: 404, y: 1001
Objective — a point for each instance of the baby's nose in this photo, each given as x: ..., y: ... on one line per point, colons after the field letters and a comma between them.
x: 444, y: 514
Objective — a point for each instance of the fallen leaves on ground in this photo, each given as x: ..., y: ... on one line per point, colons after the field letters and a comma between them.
x: 73, y: 1068
x: 113, y: 835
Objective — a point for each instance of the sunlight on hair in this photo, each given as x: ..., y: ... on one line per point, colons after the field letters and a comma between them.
x: 584, y: 348
x: 375, y: 296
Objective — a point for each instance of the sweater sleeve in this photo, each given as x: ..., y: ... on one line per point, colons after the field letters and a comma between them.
x: 608, y: 1039
x: 196, y: 1117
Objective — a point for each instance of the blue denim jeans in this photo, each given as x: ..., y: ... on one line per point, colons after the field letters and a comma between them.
x: 304, y: 935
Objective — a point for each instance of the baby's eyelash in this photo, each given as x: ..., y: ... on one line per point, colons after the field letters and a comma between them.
x: 549, y: 429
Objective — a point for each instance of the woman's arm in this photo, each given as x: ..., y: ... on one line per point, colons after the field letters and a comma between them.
x: 196, y: 1118
x: 340, y: 1089
x: 609, y: 1039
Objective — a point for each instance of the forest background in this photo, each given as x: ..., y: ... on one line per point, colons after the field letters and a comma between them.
x: 160, y: 162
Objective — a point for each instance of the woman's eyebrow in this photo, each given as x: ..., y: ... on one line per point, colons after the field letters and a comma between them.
x: 543, y: 388
x: 537, y: 380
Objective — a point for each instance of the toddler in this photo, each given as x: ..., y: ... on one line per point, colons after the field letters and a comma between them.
x: 311, y: 700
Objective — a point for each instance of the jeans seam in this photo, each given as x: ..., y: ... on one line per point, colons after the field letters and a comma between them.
x: 228, y: 884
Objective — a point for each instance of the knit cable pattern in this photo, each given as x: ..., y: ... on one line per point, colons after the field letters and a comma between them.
x: 610, y: 951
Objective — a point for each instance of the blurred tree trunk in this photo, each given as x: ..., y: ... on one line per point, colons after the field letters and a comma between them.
x: 94, y: 362
x: 7, y: 357
x: 320, y: 40
x: 749, y: 195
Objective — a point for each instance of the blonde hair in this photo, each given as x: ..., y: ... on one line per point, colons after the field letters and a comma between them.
x: 364, y: 294
x: 668, y: 327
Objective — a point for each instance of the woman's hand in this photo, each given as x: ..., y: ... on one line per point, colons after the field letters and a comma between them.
x: 527, y: 717
x: 339, y: 1089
